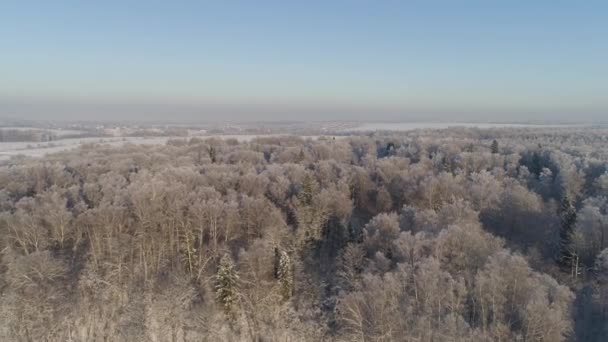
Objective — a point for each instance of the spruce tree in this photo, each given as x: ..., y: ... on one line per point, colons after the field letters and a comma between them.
x: 227, y: 282
x: 494, y: 146
x: 309, y: 216
x: 212, y: 154
x: 308, y: 190
x: 536, y: 166
x: 285, y: 275
x: 567, y: 220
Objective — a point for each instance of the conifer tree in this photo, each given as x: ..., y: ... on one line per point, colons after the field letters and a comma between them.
x: 568, y: 220
x: 285, y: 275
x: 212, y: 154
x: 227, y: 282
x: 494, y: 146
x: 308, y: 190
x: 309, y: 215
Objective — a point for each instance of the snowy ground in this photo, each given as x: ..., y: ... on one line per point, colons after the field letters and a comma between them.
x: 29, y: 149
x: 33, y: 149
x: 56, y: 132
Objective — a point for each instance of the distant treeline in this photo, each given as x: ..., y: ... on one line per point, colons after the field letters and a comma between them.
x: 25, y: 135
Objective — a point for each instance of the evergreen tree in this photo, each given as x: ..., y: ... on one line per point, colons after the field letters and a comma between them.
x: 227, y: 282
x: 308, y: 190
x: 212, y: 154
x: 310, y: 215
x: 390, y: 148
x: 285, y: 275
x: 536, y: 166
x: 494, y: 146
x: 447, y: 165
x: 568, y: 220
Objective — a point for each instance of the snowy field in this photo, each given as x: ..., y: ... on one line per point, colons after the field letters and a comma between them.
x: 32, y: 149
x: 35, y: 149
x: 54, y: 131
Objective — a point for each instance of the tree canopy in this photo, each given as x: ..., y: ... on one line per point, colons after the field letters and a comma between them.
x: 428, y: 235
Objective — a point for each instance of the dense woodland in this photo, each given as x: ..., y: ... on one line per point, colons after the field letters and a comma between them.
x: 429, y: 235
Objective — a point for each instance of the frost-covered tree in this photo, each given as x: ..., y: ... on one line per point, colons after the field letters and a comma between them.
x: 285, y: 274
x: 226, y: 288
x: 567, y: 214
x: 494, y: 147
x: 126, y: 243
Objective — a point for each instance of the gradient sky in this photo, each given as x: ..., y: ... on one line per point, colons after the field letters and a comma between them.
x: 306, y: 60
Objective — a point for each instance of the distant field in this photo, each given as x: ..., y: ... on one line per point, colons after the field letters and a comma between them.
x: 56, y: 132
x: 34, y: 149
x: 39, y: 149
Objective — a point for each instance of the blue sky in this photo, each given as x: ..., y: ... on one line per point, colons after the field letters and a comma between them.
x: 248, y: 60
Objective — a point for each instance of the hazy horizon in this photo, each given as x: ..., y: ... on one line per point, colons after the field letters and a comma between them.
x: 18, y: 109
x: 472, y: 61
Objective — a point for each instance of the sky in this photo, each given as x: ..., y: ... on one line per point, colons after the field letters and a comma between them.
x: 304, y: 60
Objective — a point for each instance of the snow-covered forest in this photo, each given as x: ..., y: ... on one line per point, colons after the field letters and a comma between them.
x: 460, y: 234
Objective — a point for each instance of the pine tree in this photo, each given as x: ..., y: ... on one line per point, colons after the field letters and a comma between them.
x: 212, y: 153
x: 310, y: 217
x: 494, y: 146
x: 227, y: 282
x: 308, y: 190
x: 301, y: 156
x: 536, y: 166
x: 447, y: 164
x: 568, y: 220
x: 285, y: 275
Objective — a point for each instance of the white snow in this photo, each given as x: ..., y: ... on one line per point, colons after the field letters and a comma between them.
x: 31, y: 149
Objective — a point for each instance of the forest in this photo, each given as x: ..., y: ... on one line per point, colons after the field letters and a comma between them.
x: 461, y: 234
